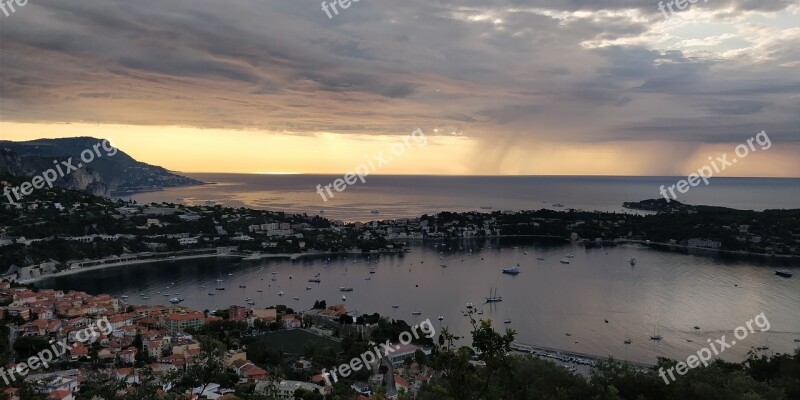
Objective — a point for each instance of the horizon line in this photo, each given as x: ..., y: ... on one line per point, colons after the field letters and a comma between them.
x: 280, y: 173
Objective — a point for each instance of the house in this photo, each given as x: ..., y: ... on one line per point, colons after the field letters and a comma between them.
x: 286, y: 389
x: 404, y: 351
x: 128, y: 356
x: 60, y: 395
x: 248, y: 371
x: 177, y: 323
x: 290, y: 322
x: 128, y: 375
x: 78, y: 351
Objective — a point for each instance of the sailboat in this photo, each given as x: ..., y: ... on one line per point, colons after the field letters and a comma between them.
x: 655, y: 337
x: 493, y: 298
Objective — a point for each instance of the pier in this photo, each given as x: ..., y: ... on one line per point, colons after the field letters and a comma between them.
x: 563, y: 355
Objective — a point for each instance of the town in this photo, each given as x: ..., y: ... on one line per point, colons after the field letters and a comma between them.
x: 42, y: 237
x: 183, y: 349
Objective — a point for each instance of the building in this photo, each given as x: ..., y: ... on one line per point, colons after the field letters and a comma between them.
x: 405, y: 351
x: 711, y: 244
x: 238, y: 313
x: 177, y: 323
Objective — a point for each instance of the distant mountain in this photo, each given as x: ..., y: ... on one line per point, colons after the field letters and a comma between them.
x: 110, y: 173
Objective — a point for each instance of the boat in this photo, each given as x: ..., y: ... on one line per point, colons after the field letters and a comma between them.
x: 250, y: 302
x: 628, y: 341
x: 395, y: 306
x: 124, y: 296
x: 372, y: 272
x: 570, y: 256
x: 344, y: 298
x: 345, y: 289
x: 783, y: 273
x: 493, y: 297
x: 564, y: 261
x: 470, y: 306
x: 540, y: 258
x: 507, y: 321
x: 480, y: 312
x: 242, y: 286
x: 212, y: 294
x: 175, y: 300
x: 655, y: 337
x: 633, y: 261
x: 295, y: 298
x: 444, y: 266
x: 511, y: 271
x: 274, y: 273
x: 440, y: 318
x: 280, y: 293
x: 230, y: 274
x: 308, y: 287
x: 416, y: 313
x: 219, y: 288
x: 315, y: 280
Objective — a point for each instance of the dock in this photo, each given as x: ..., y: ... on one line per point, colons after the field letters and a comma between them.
x: 560, y: 354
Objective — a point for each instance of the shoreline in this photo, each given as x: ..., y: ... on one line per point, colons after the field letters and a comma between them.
x: 293, y: 256
x: 242, y: 256
x: 74, y: 271
x: 683, y: 246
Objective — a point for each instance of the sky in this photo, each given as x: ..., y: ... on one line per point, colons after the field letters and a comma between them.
x: 499, y: 87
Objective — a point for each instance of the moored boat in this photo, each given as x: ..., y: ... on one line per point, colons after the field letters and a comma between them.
x: 783, y: 273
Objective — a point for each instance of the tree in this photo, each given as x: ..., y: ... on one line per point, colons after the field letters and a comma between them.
x: 420, y: 357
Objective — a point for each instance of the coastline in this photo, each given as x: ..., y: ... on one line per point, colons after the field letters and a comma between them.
x: 683, y: 246
x: 169, y: 258
x: 117, y: 264
x: 293, y: 256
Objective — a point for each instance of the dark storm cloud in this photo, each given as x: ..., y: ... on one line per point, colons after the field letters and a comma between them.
x: 510, y: 71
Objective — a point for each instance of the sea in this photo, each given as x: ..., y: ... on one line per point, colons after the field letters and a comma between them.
x: 395, y: 196
x: 591, y: 305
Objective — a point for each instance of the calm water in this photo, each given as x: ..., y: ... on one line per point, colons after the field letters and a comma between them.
x: 666, y: 291
x: 409, y: 196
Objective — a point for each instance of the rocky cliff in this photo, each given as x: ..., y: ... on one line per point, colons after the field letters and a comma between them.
x: 109, y: 172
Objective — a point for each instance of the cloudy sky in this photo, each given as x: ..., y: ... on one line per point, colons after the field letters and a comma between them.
x: 609, y: 87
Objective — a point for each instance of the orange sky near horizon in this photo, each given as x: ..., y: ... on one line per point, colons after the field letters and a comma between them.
x: 188, y: 149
